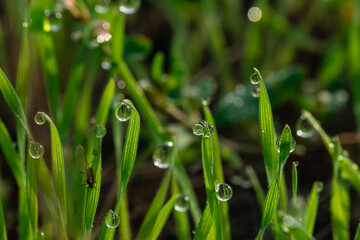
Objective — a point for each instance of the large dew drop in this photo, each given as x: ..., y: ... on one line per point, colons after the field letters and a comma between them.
x: 182, y: 203
x: 161, y: 155
x: 123, y: 112
x: 129, y: 6
x: 199, y: 128
x: 304, y: 128
x: 320, y: 186
x: 223, y: 192
x: 293, y: 144
x: 52, y: 21
x: 36, y: 150
x: 100, y: 131
x: 40, y: 118
x: 112, y: 220
x: 254, y: 78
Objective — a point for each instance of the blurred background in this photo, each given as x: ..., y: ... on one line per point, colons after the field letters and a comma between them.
x: 184, y: 51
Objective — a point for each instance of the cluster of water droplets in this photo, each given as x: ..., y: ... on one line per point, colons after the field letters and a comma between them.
x: 293, y: 144
x: 182, y: 203
x: 255, y: 79
x: 98, y: 34
x: 123, y: 112
x: 161, y: 156
x: 129, y: 6
x: 52, y: 21
x: 223, y: 192
x: 112, y: 219
x: 203, y: 128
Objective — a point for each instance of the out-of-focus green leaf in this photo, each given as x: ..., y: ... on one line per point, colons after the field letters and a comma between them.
x: 3, y: 235
x: 203, y: 229
x: 137, y: 47
x: 311, y: 209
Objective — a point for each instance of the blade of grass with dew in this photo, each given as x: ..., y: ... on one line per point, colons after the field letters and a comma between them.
x: 205, y: 224
x: 218, y: 170
x: 161, y: 219
x: 272, y: 197
x: 259, y: 192
x: 186, y: 186
x: 72, y: 92
x: 181, y: 218
x: 351, y: 172
x: 13, y: 101
x: 311, y: 209
x: 294, y: 183
x: 51, y: 73
x: 207, y: 160
x: 357, y: 234
x: 58, y: 169
x: 32, y: 194
x: 3, y: 235
x: 267, y: 131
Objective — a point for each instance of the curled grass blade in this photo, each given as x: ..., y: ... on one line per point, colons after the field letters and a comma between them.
x: 13, y: 101
x: 267, y: 131
x: 207, y: 159
x: 205, y: 224
x: 311, y: 209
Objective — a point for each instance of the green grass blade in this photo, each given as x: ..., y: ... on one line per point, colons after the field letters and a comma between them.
x: 181, y: 218
x: 32, y: 194
x: 298, y: 232
x: 311, y: 209
x: 105, y: 102
x: 351, y: 172
x: 203, y: 229
x: 259, y: 192
x: 218, y: 170
x: 161, y: 219
x: 357, y: 235
x: 3, y: 235
x: 294, y: 182
x: 185, y: 184
x: 51, y: 73
x: 207, y: 159
x: 58, y: 169
x: 13, y: 101
x: 283, y: 193
x: 267, y: 131
x: 72, y: 92
x: 125, y: 228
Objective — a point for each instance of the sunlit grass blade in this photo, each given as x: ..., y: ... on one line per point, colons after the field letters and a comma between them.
x: 267, y: 131
x: 218, y: 170
x: 272, y: 197
x: 13, y: 101
x: 181, y: 218
x: 294, y: 182
x: 72, y: 92
x: 203, y: 229
x: 351, y: 171
x: 58, y: 169
x: 32, y: 194
x: 207, y: 159
x: 3, y: 235
x: 161, y: 219
x: 125, y: 228
x: 51, y: 74
x: 311, y: 209
x: 259, y: 192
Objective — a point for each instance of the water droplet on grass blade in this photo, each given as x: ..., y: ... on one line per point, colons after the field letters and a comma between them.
x: 254, y: 14
x: 112, y: 220
x: 52, y: 21
x: 182, y: 203
x: 320, y: 186
x: 293, y: 144
x: 100, y: 131
x: 161, y: 155
x: 304, y: 128
x: 199, y: 128
x: 123, y: 112
x: 254, y: 78
x: 296, y: 163
x: 223, y: 192
x: 255, y: 92
x: 27, y: 22
x: 129, y: 6
x: 36, y: 150
x: 106, y: 65
x: 40, y: 118
x: 209, y: 130
x: 288, y: 221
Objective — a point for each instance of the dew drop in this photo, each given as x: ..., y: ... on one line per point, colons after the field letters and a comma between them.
x: 304, y: 128
x: 123, y: 112
x: 254, y: 14
x: 161, y: 155
x: 36, y: 150
x: 223, y: 192
x: 27, y: 22
x: 112, y: 220
x: 129, y: 6
x: 288, y: 221
x: 199, y: 127
x: 354, y: 166
x: 40, y: 118
x: 255, y: 92
x: 106, y: 65
x: 254, y: 78
x: 296, y: 163
x: 209, y: 130
x: 293, y: 144
x: 182, y: 203
x: 100, y: 131
x: 320, y: 186
x: 52, y: 21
